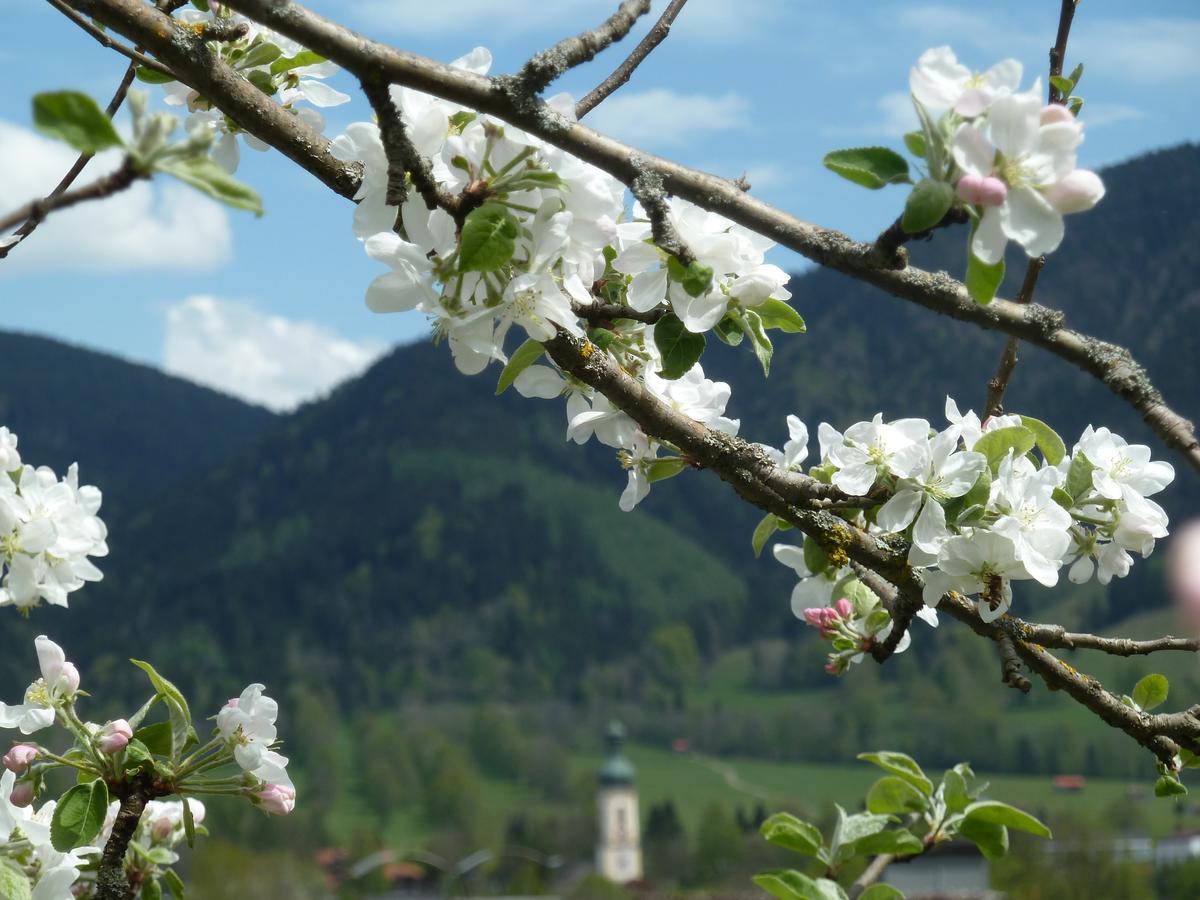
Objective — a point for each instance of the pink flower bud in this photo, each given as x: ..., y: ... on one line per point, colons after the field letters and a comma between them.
x: 114, y: 736
x: 68, y: 681
x: 1076, y: 191
x: 833, y: 668
x: 984, y: 190
x: 22, y: 794
x: 844, y: 608
x: 161, y: 829
x: 17, y: 759
x: 277, y: 799
x: 1055, y: 113
x: 812, y: 616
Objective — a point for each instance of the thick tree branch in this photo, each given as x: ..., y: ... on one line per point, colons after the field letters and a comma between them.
x: 655, y: 36
x: 195, y: 64
x: 111, y: 881
x: 105, y: 186
x: 402, y: 155
x: 537, y: 74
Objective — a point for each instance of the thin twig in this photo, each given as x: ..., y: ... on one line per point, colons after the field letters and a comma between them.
x: 104, y: 186
x: 107, y: 40
x: 599, y: 313
x: 998, y: 383
x: 871, y: 874
x: 1055, y: 636
x: 543, y: 68
x: 77, y: 167
x: 647, y: 188
x: 655, y: 36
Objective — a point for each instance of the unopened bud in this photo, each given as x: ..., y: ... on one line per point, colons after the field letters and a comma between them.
x: 277, y: 799
x: 1076, y: 191
x: 68, y: 681
x: 17, y: 759
x: 813, y: 617
x: 1055, y: 113
x: 844, y: 608
x: 984, y: 190
x: 161, y: 829
x: 22, y: 794
x: 114, y: 736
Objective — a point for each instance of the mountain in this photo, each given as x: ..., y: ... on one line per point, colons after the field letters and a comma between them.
x: 133, y: 429
x: 413, y: 535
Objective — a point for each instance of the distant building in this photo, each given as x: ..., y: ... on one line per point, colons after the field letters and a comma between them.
x: 619, y: 847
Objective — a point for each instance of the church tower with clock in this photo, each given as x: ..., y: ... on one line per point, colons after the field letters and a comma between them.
x: 619, y: 848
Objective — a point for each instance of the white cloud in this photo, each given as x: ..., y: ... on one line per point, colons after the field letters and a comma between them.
x: 264, y: 359
x: 722, y: 21
x: 1097, y: 115
x: 157, y: 225
x: 945, y: 24
x: 661, y: 116
x: 1147, y: 50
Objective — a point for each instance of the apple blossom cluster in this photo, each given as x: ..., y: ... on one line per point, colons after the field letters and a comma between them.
x: 1003, y: 157
x: 547, y: 236
x: 48, y: 529
x: 979, y: 507
x: 54, y: 850
x: 275, y: 64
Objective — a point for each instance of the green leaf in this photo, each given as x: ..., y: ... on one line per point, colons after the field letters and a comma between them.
x: 138, y: 756
x: 763, y: 348
x: 990, y: 838
x: 872, y: 167
x: 79, y: 816
x: 954, y: 791
x: 1065, y: 85
x: 262, y: 81
x: 680, y: 349
x: 788, y: 884
x: 1048, y: 441
x: 729, y: 330
x: 1076, y: 106
x: 1076, y: 75
x: 983, y: 280
x: 997, y: 813
x: 892, y: 794
x: 152, y: 76
x: 174, y: 883
x: 777, y: 314
x: 1169, y: 786
x: 524, y: 357
x: 76, y: 119
x: 694, y: 278
x: 898, y: 843
x: 1079, y: 476
x: 259, y: 55
x: 1150, y: 692
x: 881, y: 891
x: 303, y: 58
x: 189, y: 823
x: 662, y: 469
x: 814, y: 557
x: 762, y: 533
x: 14, y: 884
x: 915, y: 142
x: 209, y: 178
x: 1189, y: 759
x: 787, y: 831
x: 852, y: 829
x: 151, y: 890
x: 902, y: 766
x: 996, y: 444
x: 927, y: 204
x: 179, y: 716
x: 934, y: 151
x: 155, y: 738
x: 489, y: 238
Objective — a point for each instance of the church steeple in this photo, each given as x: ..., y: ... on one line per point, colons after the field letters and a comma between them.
x: 619, y: 850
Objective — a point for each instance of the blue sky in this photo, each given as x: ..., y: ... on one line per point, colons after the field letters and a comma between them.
x: 761, y: 86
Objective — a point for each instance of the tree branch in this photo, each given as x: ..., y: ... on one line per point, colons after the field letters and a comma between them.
x: 537, y: 74
x: 871, y: 874
x: 1010, y: 665
x: 1055, y: 636
x: 657, y: 34
x: 402, y: 155
x: 105, y: 186
x: 111, y: 882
